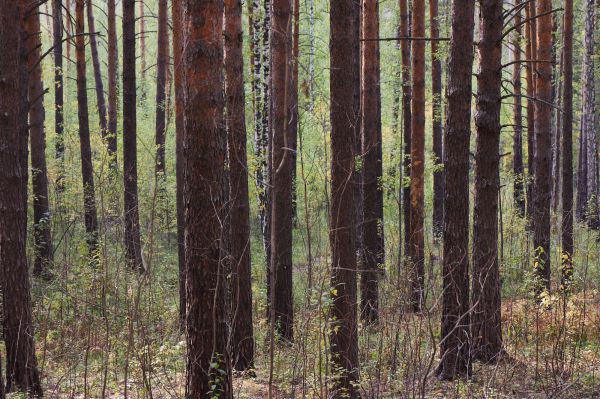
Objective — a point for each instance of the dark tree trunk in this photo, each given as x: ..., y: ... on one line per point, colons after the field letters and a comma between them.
x: 243, y: 335
x: 112, y: 83
x: 542, y: 193
x: 518, y: 187
x: 87, y: 168
x: 42, y: 238
x: 208, y: 361
x: 455, y: 346
x: 556, y: 114
x: 2, y: 396
x: 406, y: 117
x: 21, y: 364
x: 417, y: 159
x: 132, y: 220
x: 101, y: 103
x: 344, y: 115
x: 567, y: 160
x: 436, y: 120
x: 282, y: 164
x: 294, y: 122
x: 69, y: 28
x: 530, y: 77
x: 178, y: 70
x: 486, y: 330
x: 373, y: 243
x: 161, y: 92
x: 57, y: 38
x: 142, y: 34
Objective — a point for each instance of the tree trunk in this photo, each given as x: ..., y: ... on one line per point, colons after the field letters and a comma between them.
x: 161, y: 93
x: 556, y: 114
x: 101, y: 103
x: 57, y: 38
x: 567, y: 160
x: 417, y: 159
x: 543, y: 130
x: 178, y: 70
x: 87, y: 168
x: 344, y: 114
x: 113, y: 102
x: 142, y: 33
x: 530, y: 55
x: 486, y: 328
x: 243, y: 335
x: 373, y: 243
x: 2, y: 395
x: 69, y: 28
x: 21, y: 364
x: 454, y: 349
x: 42, y: 238
x: 436, y: 120
x: 132, y: 220
x: 208, y: 362
x: 518, y: 187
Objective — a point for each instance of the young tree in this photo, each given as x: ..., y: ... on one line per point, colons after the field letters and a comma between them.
x: 112, y: 83
x: 208, y: 362
x: 21, y: 364
x: 87, y: 167
x: 417, y: 164
x: 455, y: 345
x: 57, y: 39
x: 161, y: 78
x: 436, y: 119
x: 567, y: 134
x: 243, y: 335
x: 373, y: 243
x: 518, y: 187
x: 282, y: 165
x: 42, y: 238
x: 542, y: 192
x: 486, y: 330
x: 344, y: 116
x: 100, y: 102
x: 132, y: 220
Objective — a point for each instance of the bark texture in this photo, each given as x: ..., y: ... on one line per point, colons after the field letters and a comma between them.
x: 436, y: 120
x: 161, y: 80
x: 518, y: 169
x: 57, y: 38
x: 530, y: 55
x: 100, y: 101
x: 113, y: 106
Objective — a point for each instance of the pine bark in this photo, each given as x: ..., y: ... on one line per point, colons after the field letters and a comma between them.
x: 42, y: 237
x: 373, y: 242
x: 542, y: 193
x: 21, y: 364
x: 567, y: 160
x: 243, y: 335
x: 455, y: 346
x: 518, y: 169
x: 113, y: 105
x: 417, y: 159
x: 142, y: 22
x: 281, y: 167
x: 530, y: 77
x: 436, y: 120
x: 100, y: 101
x: 161, y: 88
x: 132, y: 221
x: 205, y: 190
x: 486, y: 315
x: 57, y: 38
x: 87, y: 167
x: 342, y: 234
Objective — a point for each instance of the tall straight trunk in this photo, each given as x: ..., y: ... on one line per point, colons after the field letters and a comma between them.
x: 243, y: 334
x: 142, y: 22
x: 582, y: 178
x: 543, y: 130
x: 358, y: 172
x: 518, y: 187
x: 178, y: 70
x: 588, y: 123
x: 57, y: 39
x: 567, y: 160
x: 406, y: 116
x: 113, y: 102
x: 373, y: 244
x: 455, y: 347
x: 132, y: 220
x: 417, y: 158
x: 21, y: 364
x: 436, y: 119
x: 2, y: 395
x: 42, y: 238
x: 87, y: 168
x: 208, y: 361
x: 282, y: 164
x: 100, y: 102
x: 530, y: 77
x: 486, y: 328
x: 344, y: 115
x: 161, y: 78
x: 69, y: 28
x: 294, y: 104
x: 556, y: 114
